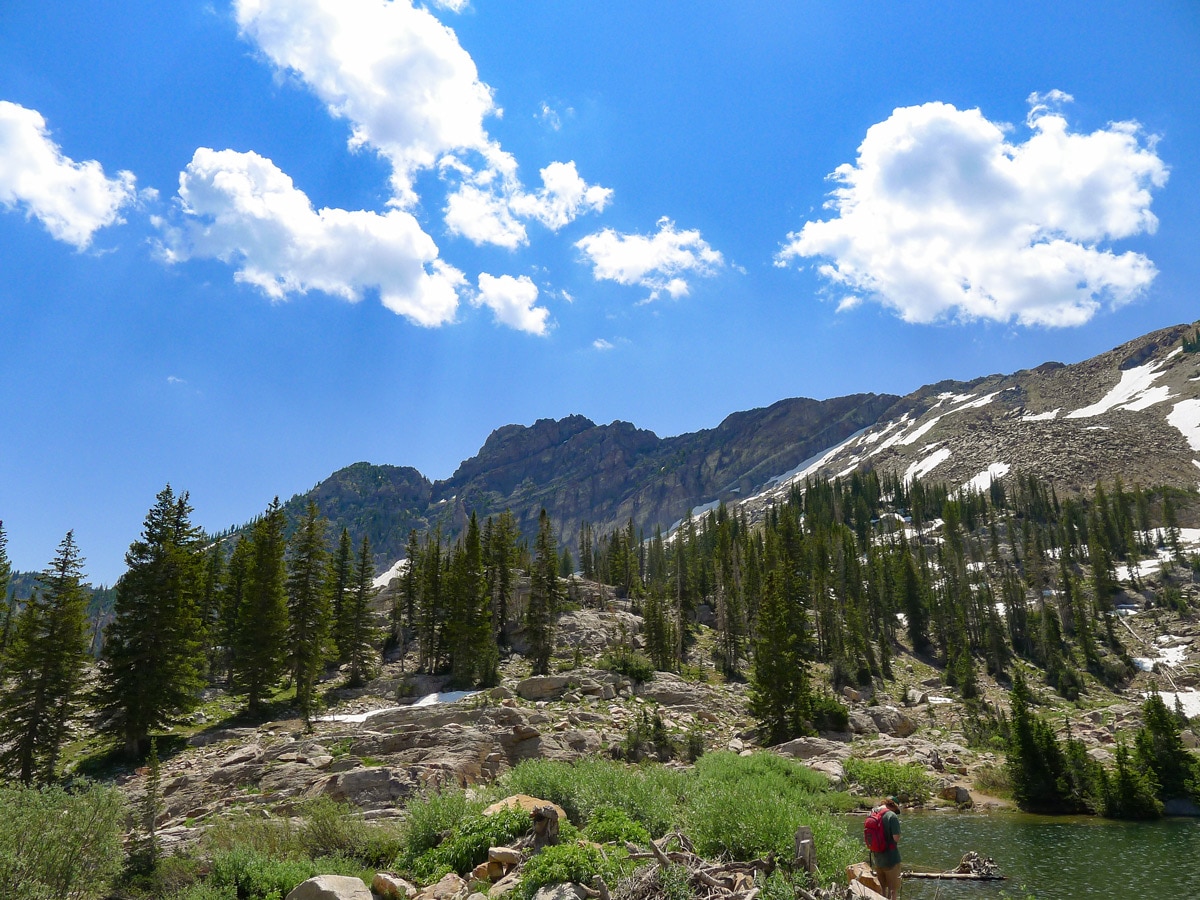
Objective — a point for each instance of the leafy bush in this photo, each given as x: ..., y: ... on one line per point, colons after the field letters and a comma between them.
x: 561, y: 863
x: 749, y: 806
x: 434, y: 814
x: 468, y: 846
x: 59, y: 845
x: 256, y: 876
x: 333, y: 829
x: 205, y: 891
x: 648, y: 795
x: 881, y: 778
x: 241, y: 831
x: 609, y: 825
x: 628, y: 662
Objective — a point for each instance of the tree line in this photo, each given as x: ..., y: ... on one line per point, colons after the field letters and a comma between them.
x: 252, y: 610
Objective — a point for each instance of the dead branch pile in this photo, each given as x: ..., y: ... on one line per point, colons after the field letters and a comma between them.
x: 705, y: 879
x: 979, y: 866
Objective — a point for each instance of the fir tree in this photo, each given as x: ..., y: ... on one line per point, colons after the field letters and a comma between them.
x: 47, y: 658
x: 259, y: 657
x: 7, y: 603
x: 152, y: 670
x: 340, y: 574
x: 358, y: 610
x: 308, y: 608
x: 542, y: 613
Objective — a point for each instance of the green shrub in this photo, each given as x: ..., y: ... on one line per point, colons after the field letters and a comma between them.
x: 432, y: 815
x: 632, y: 664
x: 881, y: 778
x: 205, y: 891
x: 333, y: 829
x: 609, y: 825
x: 649, y: 795
x: 746, y: 807
x: 59, y: 845
x: 468, y: 845
x: 561, y: 863
x: 241, y: 831
x: 256, y: 876
x: 993, y: 780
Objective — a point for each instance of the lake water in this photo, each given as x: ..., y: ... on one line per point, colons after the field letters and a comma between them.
x: 1051, y: 857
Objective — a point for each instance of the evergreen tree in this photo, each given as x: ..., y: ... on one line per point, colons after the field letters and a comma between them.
x: 308, y: 608
x: 259, y: 653
x: 780, y: 692
x: 1159, y: 749
x: 501, y: 556
x: 1130, y: 791
x: 358, y: 631
x: 47, y: 658
x: 152, y: 670
x: 233, y: 601
x: 7, y: 603
x: 542, y: 613
x: 473, y: 652
x: 340, y: 574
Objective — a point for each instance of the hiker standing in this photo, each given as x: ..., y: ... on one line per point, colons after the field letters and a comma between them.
x: 882, y: 835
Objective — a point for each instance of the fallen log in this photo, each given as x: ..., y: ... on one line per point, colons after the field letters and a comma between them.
x: 952, y: 876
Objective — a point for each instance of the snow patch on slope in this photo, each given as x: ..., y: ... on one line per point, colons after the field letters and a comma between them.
x: 1186, y: 417
x: 1041, y: 417
x: 1135, y: 391
x: 927, y: 465
x: 984, y: 479
x: 398, y: 568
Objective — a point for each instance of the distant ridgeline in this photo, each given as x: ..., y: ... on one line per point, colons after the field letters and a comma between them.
x: 100, y: 606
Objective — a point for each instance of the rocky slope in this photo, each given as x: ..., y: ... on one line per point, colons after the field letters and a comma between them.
x: 1133, y: 413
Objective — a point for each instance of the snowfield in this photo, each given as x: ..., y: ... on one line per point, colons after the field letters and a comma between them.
x: 1135, y: 391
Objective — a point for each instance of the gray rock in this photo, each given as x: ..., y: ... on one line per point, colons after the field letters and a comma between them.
x: 544, y: 687
x: 330, y: 887
x: 560, y: 892
x: 811, y: 747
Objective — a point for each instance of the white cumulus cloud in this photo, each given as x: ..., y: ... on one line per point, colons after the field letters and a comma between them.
x: 242, y: 209
x: 944, y: 215
x: 661, y: 262
x: 602, y: 344
x: 412, y: 93
x: 73, y: 200
x: 513, y: 302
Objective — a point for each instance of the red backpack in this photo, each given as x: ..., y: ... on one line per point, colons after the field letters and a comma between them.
x: 874, y: 834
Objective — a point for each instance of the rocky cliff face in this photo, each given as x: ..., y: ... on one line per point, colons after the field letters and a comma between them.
x: 579, y: 471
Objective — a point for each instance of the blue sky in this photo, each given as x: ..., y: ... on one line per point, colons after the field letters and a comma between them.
x: 243, y: 244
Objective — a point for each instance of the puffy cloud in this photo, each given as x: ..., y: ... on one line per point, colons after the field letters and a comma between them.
x: 659, y: 261
x: 240, y: 208
x: 602, y: 344
x: 412, y: 93
x: 512, y: 301
x: 71, y: 199
x: 944, y: 215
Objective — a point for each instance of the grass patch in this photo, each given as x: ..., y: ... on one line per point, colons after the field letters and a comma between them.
x: 880, y: 778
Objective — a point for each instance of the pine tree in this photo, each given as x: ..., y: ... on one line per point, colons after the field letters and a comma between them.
x: 47, y: 658
x: 152, y: 670
x: 358, y: 611
x: 308, y: 608
x: 233, y: 602
x: 501, y: 553
x: 473, y: 653
x: 259, y: 657
x: 340, y: 574
x: 7, y: 604
x: 542, y: 613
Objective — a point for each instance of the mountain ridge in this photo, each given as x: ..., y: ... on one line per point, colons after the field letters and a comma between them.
x: 1046, y: 420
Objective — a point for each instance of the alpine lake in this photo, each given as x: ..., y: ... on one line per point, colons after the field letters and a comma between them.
x: 1052, y: 857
